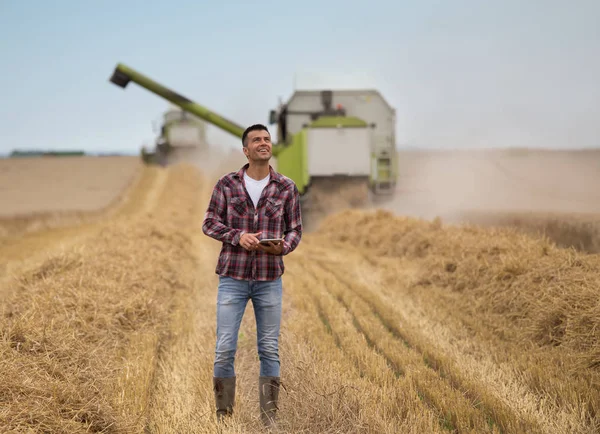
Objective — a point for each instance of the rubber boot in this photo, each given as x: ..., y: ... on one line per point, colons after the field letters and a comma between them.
x: 268, y: 396
x: 224, y: 389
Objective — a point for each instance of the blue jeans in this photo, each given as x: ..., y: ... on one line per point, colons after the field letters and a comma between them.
x: 233, y: 295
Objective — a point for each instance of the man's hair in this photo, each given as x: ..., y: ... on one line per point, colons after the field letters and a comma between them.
x: 255, y: 127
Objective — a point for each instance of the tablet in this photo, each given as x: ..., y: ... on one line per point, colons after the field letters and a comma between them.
x: 272, y: 240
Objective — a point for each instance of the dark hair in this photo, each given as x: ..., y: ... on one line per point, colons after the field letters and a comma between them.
x: 255, y: 127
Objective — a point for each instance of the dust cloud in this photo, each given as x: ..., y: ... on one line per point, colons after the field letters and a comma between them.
x: 456, y: 185
x: 214, y: 161
x: 548, y: 192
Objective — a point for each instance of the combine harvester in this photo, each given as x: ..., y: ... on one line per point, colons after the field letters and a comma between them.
x: 330, y: 143
x: 181, y: 137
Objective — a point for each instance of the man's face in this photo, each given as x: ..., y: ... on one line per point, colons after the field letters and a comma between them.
x: 259, y: 146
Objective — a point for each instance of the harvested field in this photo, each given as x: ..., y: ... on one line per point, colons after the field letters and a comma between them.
x: 391, y: 323
x: 569, y: 230
x: 53, y: 191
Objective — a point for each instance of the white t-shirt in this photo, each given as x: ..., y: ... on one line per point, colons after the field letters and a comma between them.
x: 255, y: 187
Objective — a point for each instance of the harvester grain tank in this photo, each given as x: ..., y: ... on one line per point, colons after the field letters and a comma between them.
x: 326, y: 139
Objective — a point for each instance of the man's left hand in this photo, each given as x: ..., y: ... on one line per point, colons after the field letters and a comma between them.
x: 272, y: 248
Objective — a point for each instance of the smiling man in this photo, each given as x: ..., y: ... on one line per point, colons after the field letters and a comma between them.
x: 255, y: 203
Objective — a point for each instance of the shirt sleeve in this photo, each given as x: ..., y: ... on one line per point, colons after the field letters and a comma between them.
x: 215, y: 217
x: 293, y: 223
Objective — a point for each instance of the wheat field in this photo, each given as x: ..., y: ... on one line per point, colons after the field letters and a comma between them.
x: 391, y: 323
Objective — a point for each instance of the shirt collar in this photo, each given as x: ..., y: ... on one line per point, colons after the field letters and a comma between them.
x: 274, y: 175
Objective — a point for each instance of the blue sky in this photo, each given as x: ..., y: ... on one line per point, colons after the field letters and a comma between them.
x: 459, y: 73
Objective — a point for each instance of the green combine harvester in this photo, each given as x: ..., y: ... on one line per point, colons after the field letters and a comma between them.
x: 320, y: 146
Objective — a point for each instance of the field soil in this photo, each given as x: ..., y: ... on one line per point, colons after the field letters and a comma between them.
x: 402, y: 318
x: 46, y: 192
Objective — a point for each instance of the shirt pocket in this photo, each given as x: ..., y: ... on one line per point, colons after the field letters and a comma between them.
x: 238, y: 206
x: 274, y: 208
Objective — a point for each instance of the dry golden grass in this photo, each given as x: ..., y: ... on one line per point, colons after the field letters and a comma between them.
x: 80, y: 331
x: 20, y: 251
x: 40, y: 193
x: 390, y: 325
x: 534, y: 306
x: 579, y: 231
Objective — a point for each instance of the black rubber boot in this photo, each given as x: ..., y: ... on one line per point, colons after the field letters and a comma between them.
x: 224, y: 389
x: 268, y: 395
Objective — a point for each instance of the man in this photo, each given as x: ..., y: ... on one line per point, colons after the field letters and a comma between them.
x: 246, y: 206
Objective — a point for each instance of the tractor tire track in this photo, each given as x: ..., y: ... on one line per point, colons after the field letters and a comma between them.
x: 368, y: 361
x: 509, y: 401
x: 453, y: 408
x: 497, y: 412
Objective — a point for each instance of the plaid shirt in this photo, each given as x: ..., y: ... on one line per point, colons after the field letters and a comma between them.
x: 231, y: 213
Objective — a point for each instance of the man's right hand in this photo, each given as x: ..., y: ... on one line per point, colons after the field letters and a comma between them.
x: 250, y: 241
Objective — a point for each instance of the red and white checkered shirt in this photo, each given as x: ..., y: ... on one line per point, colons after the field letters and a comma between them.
x: 231, y: 213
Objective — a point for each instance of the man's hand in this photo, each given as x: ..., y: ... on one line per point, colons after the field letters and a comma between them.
x: 272, y: 248
x: 250, y: 241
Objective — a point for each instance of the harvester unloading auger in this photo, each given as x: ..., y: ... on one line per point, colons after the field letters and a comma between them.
x: 344, y: 153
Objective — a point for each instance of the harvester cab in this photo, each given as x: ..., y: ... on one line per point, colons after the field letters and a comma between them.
x: 330, y: 143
